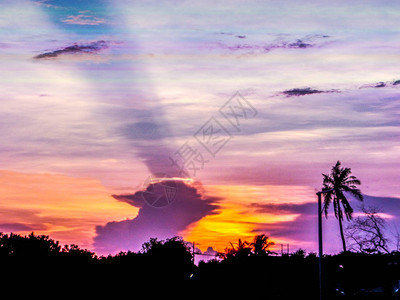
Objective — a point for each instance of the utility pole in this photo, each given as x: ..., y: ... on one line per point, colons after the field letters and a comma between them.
x: 320, y: 244
x: 193, y: 251
x: 320, y: 240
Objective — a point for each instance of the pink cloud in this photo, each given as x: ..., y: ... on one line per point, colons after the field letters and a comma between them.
x: 84, y: 20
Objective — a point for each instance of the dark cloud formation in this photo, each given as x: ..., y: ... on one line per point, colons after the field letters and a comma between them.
x: 299, y: 44
x: 189, y: 205
x: 90, y: 48
x: 381, y: 84
x: 305, y: 91
x: 285, y: 208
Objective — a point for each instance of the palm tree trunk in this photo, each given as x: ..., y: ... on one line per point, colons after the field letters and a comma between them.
x: 341, y: 231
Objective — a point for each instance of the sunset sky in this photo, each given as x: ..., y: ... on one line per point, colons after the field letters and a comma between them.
x: 96, y: 96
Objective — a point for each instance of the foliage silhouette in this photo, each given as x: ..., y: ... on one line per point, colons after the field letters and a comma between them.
x: 335, y: 185
x: 242, y: 249
x: 261, y: 245
x: 166, y: 267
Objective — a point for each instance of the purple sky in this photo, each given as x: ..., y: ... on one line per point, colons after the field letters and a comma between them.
x: 104, y: 93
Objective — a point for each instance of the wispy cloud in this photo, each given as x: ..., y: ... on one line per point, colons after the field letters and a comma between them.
x: 45, y: 3
x: 259, y: 46
x: 15, y: 227
x: 381, y: 84
x: 92, y: 47
x: 306, y: 91
x: 84, y: 19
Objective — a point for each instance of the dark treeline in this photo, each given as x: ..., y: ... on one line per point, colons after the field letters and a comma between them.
x: 167, y: 267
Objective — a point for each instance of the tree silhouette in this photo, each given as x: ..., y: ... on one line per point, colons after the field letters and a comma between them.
x: 261, y: 245
x: 368, y: 232
x: 168, y: 259
x: 335, y: 185
x: 17, y: 246
x: 241, y: 250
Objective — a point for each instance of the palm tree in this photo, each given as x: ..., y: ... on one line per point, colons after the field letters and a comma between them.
x: 261, y: 245
x: 335, y: 185
x: 241, y: 250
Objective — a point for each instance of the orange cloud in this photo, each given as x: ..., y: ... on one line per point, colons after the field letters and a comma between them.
x: 66, y: 208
